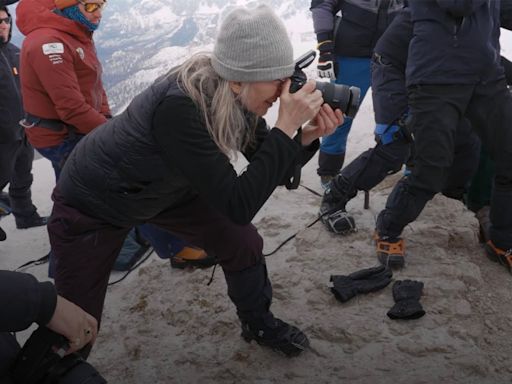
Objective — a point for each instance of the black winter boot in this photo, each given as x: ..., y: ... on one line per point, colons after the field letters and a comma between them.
x: 332, y: 207
x: 251, y: 292
x: 34, y: 220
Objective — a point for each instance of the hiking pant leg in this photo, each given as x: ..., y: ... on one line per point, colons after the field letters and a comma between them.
x: 435, y: 115
x: 85, y: 249
x: 7, y: 159
x: 480, y: 188
x: 373, y: 165
x: 21, y: 181
x: 490, y: 113
x: 465, y: 162
x: 237, y: 247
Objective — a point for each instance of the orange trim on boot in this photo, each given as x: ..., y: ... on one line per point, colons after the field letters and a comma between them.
x: 390, y: 254
x: 499, y: 255
x: 189, y: 253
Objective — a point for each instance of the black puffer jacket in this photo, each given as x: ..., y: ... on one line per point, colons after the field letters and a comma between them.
x: 11, y: 104
x: 158, y: 154
x: 362, y: 23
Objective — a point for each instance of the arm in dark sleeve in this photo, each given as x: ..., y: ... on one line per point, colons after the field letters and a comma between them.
x: 180, y: 131
x: 461, y: 8
x: 323, y: 12
x: 508, y: 69
x: 24, y: 301
x: 305, y: 154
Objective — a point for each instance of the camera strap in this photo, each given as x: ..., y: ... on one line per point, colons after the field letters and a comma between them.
x: 294, y: 181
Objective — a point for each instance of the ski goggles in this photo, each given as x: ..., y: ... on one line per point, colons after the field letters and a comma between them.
x: 6, y: 20
x: 92, y: 7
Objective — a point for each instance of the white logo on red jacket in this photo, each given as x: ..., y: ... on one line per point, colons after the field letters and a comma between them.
x: 51, y: 48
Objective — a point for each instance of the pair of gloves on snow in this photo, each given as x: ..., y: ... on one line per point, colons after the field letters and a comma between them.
x: 406, y: 293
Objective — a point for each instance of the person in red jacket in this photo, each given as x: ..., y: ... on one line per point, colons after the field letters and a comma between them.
x: 63, y: 95
x: 64, y: 99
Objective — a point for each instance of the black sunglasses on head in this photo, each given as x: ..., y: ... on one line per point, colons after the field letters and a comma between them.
x: 6, y: 20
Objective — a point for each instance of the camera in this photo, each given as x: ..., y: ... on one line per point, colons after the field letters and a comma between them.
x: 336, y: 95
x: 42, y: 361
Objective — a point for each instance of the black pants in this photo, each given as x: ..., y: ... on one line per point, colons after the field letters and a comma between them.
x: 16, y: 159
x: 436, y: 112
x: 390, y: 103
x: 85, y: 247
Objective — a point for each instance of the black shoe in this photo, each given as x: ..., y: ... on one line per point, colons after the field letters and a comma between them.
x: 5, y: 204
x: 280, y: 336
x: 3, y: 236
x: 332, y: 211
x: 24, y: 222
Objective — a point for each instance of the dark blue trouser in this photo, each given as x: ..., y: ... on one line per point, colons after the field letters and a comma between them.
x: 436, y: 111
x: 352, y: 71
x: 16, y: 159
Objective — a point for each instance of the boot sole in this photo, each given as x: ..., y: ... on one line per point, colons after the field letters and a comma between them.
x: 207, y: 262
x: 290, y: 349
x: 392, y: 261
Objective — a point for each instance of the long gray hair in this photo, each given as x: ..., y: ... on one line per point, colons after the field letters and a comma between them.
x: 230, y: 126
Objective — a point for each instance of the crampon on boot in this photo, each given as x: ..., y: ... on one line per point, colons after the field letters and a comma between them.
x: 332, y: 208
x: 499, y: 255
x: 278, y: 335
x: 391, y: 252
x: 339, y: 222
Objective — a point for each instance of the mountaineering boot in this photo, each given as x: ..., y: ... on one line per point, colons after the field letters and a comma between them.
x: 251, y: 292
x: 499, y: 255
x: 5, y: 204
x: 192, y: 257
x: 34, y: 220
x: 390, y: 251
x: 332, y: 208
x: 329, y: 166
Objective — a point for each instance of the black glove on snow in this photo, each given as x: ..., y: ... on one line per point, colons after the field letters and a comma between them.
x: 406, y: 294
x: 363, y: 281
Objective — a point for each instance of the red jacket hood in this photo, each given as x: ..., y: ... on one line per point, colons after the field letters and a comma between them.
x: 35, y: 14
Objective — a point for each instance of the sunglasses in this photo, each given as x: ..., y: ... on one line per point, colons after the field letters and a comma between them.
x: 92, y: 7
x: 6, y: 20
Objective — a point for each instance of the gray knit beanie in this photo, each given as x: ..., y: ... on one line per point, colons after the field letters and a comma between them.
x: 252, y: 45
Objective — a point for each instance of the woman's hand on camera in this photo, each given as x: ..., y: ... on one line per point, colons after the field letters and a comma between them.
x: 297, y: 108
x: 324, y: 123
x: 72, y: 322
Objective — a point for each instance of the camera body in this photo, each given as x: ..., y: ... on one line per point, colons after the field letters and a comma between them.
x: 336, y: 95
x: 42, y: 361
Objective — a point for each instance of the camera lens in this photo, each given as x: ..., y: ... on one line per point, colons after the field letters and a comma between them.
x: 340, y: 96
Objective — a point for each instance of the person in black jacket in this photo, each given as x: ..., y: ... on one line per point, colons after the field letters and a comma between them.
x: 394, y: 142
x: 453, y: 70
x: 166, y: 161
x: 16, y: 154
x: 24, y: 301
